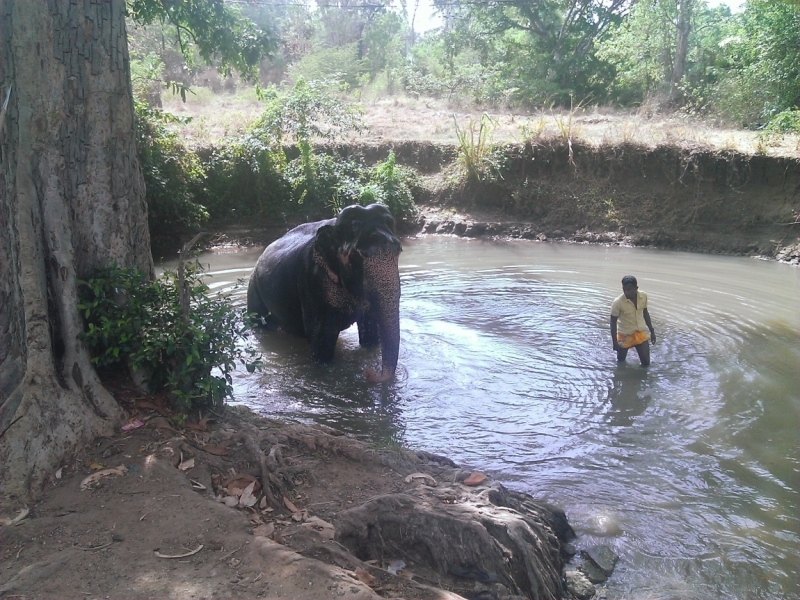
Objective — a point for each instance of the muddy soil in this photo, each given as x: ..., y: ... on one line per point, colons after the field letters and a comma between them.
x: 167, y: 511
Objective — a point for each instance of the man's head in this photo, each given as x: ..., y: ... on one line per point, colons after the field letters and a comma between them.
x: 629, y: 286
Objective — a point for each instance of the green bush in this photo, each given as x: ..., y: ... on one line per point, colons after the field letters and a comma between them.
x: 325, y: 62
x: 787, y: 121
x: 132, y: 321
x: 391, y: 185
x: 324, y: 183
x: 173, y: 175
x: 245, y: 178
x: 256, y: 175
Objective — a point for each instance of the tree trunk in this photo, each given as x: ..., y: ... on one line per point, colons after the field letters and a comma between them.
x: 684, y: 26
x: 72, y: 200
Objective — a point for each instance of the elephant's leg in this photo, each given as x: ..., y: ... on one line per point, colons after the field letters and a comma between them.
x: 323, y: 342
x: 368, y: 331
x: 322, y: 331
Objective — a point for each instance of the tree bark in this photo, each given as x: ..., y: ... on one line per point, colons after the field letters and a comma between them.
x: 72, y: 200
x: 683, y: 29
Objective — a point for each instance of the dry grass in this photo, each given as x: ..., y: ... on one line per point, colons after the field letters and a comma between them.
x: 404, y: 118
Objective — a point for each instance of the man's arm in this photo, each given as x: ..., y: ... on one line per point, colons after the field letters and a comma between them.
x: 614, y: 332
x: 646, y: 315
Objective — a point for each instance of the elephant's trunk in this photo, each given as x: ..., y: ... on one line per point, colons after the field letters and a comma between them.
x: 382, y: 283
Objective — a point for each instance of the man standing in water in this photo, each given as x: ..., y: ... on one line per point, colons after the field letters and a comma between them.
x: 630, y: 322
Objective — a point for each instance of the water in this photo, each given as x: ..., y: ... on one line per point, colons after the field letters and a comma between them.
x: 689, y: 469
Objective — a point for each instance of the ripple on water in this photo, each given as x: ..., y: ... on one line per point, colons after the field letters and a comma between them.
x: 689, y: 469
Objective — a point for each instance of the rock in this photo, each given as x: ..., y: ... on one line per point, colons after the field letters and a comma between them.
x: 446, y: 227
x: 475, y: 230
x: 603, y: 557
x: 460, y: 228
x: 427, y: 527
x: 578, y: 585
x: 431, y: 226
x: 592, y: 572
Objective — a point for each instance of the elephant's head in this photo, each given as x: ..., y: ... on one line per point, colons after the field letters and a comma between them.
x: 361, y: 249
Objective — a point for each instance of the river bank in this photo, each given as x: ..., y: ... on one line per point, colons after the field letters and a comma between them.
x: 669, y: 197
x: 167, y: 511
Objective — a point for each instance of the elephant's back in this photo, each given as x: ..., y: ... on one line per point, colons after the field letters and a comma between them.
x: 274, y: 282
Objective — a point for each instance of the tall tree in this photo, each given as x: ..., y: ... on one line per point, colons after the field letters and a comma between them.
x: 682, y: 28
x: 71, y: 199
x: 669, y: 49
x: 547, y: 41
x: 763, y: 62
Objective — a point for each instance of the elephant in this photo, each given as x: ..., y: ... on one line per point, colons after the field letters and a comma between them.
x: 321, y: 277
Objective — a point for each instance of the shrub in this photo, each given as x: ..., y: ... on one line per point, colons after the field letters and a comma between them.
x: 173, y: 175
x: 245, y: 178
x: 391, y: 185
x: 132, y: 321
x: 477, y: 154
x: 787, y: 121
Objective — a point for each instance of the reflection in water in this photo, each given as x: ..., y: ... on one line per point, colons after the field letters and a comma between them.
x: 627, y: 396
x: 688, y: 468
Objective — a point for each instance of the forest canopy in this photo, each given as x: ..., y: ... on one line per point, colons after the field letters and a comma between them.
x: 742, y: 67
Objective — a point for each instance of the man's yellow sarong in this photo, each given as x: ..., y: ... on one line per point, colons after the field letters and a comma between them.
x: 634, y: 339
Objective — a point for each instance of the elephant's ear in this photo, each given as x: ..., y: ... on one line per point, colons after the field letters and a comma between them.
x: 349, y: 228
x: 326, y: 244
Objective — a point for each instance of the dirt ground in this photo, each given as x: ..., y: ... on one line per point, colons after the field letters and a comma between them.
x: 161, y: 511
x: 414, y: 120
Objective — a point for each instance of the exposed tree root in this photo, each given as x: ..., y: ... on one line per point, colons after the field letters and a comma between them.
x: 491, y: 535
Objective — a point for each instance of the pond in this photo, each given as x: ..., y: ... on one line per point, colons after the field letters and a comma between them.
x: 689, y: 469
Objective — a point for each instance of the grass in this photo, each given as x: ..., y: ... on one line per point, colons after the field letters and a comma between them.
x: 476, y: 148
x: 393, y: 118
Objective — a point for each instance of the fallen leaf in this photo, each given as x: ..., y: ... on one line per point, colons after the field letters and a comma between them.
x: 236, y: 486
x: 300, y: 516
x: 364, y: 577
x: 120, y: 470
x: 195, y: 551
x: 288, y: 504
x: 248, y: 498
x: 263, y: 504
x: 264, y: 530
x: 202, y: 425
x: 395, y: 566
x: 215, y: 450
x: 196, y: 485
x: 135, y: 424
x: 186, y: 465
x: 95, y: 466
x: 230, y: 501
x: 475, y: 478
x: 22, y: 514
x: 240, y: 480
x: 426, y: 479
x: 58, y: 473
